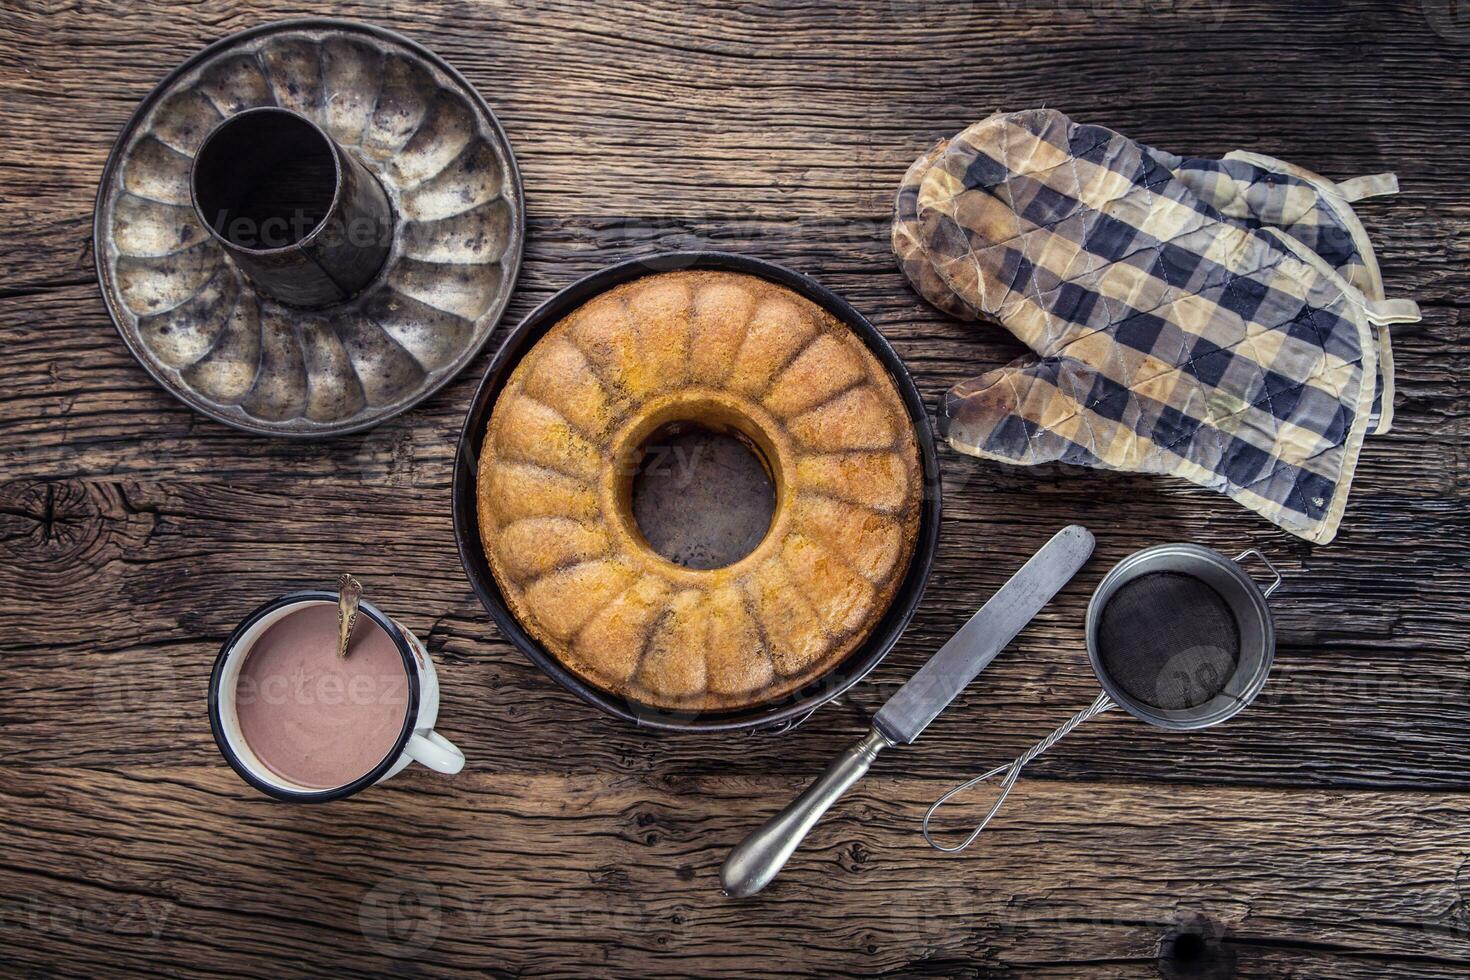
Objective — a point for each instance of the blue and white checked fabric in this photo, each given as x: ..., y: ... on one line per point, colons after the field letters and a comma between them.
x: 1262, y: 191
x: 1216, y: 320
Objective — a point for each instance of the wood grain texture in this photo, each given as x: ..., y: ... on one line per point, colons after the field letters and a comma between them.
x: 1322, y: 832
x: 1082, y: 861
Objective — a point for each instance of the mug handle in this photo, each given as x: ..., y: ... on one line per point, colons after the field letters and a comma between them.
x: 435, y: 751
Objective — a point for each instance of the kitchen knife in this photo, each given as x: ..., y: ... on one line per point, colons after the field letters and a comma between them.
x: 752, y: 864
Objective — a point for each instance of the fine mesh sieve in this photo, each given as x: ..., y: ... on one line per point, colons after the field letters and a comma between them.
x: 1178, y: 635
x: 1161, y: 658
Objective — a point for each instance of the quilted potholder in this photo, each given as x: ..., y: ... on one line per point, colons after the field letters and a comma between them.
x: 1249, y: 188
x: 1169, y: 337
x: 1263, y: 191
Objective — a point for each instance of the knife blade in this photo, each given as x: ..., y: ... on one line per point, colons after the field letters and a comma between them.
x: 757, y: 859
x: 987, y: 633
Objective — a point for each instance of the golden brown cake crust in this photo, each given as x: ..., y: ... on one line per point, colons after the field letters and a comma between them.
x: 729, y: 351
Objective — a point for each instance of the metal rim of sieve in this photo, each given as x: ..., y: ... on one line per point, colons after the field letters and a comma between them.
x: 1246, y: 601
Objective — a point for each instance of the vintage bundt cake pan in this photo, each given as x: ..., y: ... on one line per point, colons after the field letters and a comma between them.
x: 791, y: 707
x: 310, y: 339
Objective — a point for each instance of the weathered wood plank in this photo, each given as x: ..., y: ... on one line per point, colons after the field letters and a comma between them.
x: 1072, y: 875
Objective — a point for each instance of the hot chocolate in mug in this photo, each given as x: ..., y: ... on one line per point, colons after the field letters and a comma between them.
x: 302, y: 725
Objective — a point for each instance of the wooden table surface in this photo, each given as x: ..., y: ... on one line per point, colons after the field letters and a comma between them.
x: 1325, y: 831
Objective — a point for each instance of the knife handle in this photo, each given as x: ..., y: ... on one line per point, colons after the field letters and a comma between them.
x: 755, y: 861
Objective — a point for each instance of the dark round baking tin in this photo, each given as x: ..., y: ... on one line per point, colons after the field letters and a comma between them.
x: 783, y: 712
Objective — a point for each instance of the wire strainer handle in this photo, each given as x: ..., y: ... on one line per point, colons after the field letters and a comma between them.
x: 1277, y: 580
x: 1013, y: 772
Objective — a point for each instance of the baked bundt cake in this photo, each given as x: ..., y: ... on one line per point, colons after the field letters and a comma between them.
x: 727, y: 352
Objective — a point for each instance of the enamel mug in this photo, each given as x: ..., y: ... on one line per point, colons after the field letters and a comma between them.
x: 417, y: 742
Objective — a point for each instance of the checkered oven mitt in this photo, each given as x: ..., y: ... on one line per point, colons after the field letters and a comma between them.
x: 1209, y: 319
x: 1249, y: 188
x: 1261, y: 191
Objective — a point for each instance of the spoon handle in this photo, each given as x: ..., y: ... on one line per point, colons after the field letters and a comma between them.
x: 349, y: 593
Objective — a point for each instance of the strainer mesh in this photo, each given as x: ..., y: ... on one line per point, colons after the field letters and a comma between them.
x: 1168, y: 640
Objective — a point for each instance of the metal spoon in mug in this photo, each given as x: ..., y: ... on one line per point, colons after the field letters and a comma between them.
x: 349, y: 594
x: 752, y: 864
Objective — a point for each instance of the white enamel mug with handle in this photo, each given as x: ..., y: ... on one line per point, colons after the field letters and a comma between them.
x: 417, y: 742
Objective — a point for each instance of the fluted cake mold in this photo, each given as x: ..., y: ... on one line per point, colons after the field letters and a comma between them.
x: 211, y: 336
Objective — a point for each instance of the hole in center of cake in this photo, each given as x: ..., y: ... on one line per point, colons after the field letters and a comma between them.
x: 702, y: 497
